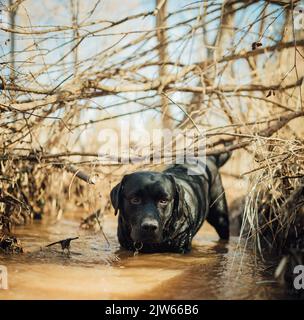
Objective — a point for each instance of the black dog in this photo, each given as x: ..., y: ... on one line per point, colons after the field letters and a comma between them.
x: 162, y: 211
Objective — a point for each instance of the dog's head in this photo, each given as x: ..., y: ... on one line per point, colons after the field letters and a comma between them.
x: 147, y: 202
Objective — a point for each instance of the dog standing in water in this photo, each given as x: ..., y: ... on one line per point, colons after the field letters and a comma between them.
x: 162, y: 211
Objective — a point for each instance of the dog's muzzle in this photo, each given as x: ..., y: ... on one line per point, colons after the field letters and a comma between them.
x: 148, y: 231
x: 149, y: 226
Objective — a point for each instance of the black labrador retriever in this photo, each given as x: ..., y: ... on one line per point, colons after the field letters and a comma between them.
x: 162, y: 211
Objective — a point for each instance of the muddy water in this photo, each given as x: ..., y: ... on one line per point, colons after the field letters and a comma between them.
x: 96, y: 270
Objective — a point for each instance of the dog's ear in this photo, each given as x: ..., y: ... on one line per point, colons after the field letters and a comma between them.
x: 178, y: 195
x: 116, y: 196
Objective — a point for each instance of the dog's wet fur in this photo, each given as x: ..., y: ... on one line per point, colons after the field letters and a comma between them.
x: 162, y: 211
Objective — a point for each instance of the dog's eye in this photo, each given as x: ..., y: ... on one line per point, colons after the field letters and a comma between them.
x: 135, y: 200
x: 163, y: 201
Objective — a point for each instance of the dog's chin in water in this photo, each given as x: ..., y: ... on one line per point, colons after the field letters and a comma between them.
x: 145, y: 240
x: 148, y: 240
x: 138, y: 236
x: 143, y: 245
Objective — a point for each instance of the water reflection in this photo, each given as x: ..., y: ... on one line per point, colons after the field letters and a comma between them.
x: 93, y: 270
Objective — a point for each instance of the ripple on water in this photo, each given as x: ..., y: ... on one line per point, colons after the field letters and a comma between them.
x: 93, y: 270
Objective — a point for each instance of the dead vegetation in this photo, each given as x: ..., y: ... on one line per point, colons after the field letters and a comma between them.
x: 234, y: 68
x: 274, y: 209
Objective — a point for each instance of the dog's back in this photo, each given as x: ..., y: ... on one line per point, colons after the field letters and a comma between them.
x: 204, y: 192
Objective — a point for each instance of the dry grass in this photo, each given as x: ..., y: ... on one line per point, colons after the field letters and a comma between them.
x: 274, y: 203
x: 150, y: 72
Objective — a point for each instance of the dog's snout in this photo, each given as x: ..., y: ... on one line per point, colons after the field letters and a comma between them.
x: 149, y: 225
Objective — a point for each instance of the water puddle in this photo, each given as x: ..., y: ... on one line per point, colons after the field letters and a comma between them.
x: 96, y: 270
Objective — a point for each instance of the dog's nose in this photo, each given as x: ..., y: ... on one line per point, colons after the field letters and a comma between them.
x: 149, y: 225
